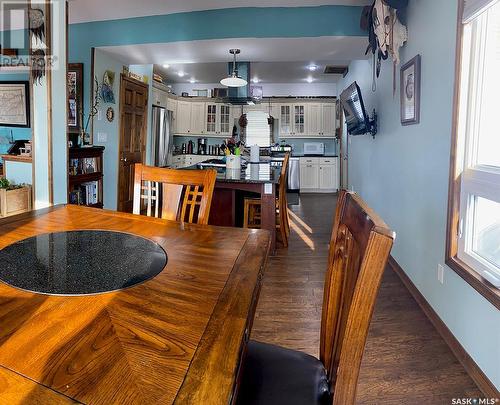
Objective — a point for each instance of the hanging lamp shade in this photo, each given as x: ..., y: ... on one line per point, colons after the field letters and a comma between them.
x: 233, y: 80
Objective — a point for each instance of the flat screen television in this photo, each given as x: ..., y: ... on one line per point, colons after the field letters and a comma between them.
x: 358, y: 122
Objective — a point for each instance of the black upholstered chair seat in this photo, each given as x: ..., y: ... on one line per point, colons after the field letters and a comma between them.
x: 274, y: 375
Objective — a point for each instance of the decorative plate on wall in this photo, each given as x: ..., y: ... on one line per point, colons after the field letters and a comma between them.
x: 110, y: 114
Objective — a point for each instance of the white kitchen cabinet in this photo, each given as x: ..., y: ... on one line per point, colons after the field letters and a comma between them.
x: 285, y: 119
x: 314, y: 119
x: 160, y: 98
x: 309, y: 174
x: 180, y: 161
x: 319, y: 175
x: 328, y: 120
x: 218, y: 119
x: 171, y: 104
x: 183, y: 122
x: 224, y: 120
x: 299, y: 120
x: 211, y: 112
x: 197, y: 118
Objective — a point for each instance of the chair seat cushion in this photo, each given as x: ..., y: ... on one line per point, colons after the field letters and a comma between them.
x: 274, y: 375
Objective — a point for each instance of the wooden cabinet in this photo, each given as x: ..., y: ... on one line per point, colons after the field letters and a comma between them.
x: 183, y: 124
x: 85, y: 176
x: 319, y: 175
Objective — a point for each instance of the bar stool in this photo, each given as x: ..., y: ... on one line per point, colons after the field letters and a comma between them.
x: 252, y: 208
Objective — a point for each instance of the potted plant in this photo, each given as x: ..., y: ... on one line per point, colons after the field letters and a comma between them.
x: 14, y: 199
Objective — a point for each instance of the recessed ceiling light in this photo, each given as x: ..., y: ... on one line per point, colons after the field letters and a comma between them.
x: 310, y: 79
x: 181, y: 74
x: 166, y: 65
x: 255, y: 80
x: 192, y: 80
x: 312, y: 67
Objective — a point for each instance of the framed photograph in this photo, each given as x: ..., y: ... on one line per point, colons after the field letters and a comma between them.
x: 15, y: 104
x: 410, y: 92
x: 75, y: 96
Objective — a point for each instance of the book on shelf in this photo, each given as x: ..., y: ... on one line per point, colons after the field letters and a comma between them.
x: 83, y: 166
x: 85, y: 194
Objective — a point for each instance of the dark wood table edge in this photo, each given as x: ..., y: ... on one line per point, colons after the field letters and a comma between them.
x: 236, y: 306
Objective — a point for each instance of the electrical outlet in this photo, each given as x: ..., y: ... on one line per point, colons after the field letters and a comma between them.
x: 99, y: 115
x: 440, y: 273
x: 102, y: 137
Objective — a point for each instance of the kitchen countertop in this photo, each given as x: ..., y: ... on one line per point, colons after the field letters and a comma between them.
x: 327, y: 155
x: 262, y: 172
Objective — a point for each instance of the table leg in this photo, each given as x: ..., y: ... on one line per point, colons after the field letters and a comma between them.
x: 268, y: 212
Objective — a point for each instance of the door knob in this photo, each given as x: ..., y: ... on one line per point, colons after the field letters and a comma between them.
x: 123, y: 159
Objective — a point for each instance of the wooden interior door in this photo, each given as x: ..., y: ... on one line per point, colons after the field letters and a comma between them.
x: 133, y: 124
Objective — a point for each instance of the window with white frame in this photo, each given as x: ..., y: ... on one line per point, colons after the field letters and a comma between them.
x: 258, y: 131
x: 478, y: 140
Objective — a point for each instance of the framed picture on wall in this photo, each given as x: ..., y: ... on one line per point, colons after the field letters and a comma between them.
x: 410, y: 91
x: 15, y: 104
x: 75, y: 96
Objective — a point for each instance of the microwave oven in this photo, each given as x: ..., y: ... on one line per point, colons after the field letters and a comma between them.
x: 314, y: 148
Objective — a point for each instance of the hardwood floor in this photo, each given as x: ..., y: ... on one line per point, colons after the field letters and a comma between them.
x: 405, y: 361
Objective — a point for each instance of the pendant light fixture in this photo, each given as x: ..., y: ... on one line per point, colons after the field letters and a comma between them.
x: 233, y: 80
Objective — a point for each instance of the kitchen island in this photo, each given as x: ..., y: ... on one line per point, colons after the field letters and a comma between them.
x: 259, y: 178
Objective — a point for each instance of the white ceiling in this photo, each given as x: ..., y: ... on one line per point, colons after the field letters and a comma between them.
x: 275, y: 60
x: 264, y: 72
x: 98, y: 10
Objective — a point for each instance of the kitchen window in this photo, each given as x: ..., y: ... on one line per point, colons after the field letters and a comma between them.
x: 258, y: 131
x: 473, y: 247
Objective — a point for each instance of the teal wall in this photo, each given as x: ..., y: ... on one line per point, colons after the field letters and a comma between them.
x: 403, y: 174
x: 103, y: 62
x: 18, y: 133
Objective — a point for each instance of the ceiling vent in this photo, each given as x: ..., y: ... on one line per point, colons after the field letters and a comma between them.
x: 336, y: 70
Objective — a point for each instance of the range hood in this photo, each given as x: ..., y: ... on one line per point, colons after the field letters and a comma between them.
x: 240, y: 95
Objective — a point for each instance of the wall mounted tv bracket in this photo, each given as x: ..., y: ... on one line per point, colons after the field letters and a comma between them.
x: 372, y: 124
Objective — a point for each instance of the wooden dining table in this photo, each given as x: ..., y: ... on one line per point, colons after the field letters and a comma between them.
x: 178, y: 337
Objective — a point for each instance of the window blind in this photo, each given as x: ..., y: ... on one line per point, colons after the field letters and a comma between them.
x: 473, y: 8
x: 258, y: 130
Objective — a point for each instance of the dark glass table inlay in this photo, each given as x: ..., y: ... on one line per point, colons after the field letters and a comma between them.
x: 80, y: 262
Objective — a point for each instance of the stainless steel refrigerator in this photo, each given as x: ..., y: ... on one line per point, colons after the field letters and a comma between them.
x: 162, y: 137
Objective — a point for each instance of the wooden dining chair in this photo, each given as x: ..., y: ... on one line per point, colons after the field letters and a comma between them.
x: 359, y: 250
x: 252, y: 207
x: 177, y: 195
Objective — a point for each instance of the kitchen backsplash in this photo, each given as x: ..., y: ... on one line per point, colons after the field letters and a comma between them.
x: 297, y: 143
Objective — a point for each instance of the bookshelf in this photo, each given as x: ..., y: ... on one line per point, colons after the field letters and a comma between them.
x: 85, y: 175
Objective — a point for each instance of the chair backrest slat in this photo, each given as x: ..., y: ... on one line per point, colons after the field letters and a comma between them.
x: 180, y: 195
x: 359, y: 250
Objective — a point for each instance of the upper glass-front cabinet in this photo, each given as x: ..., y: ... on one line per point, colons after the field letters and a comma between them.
x: 211, y: 118
x: 225, y: 114
x: 299, y: 127
x: 285, y: 119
